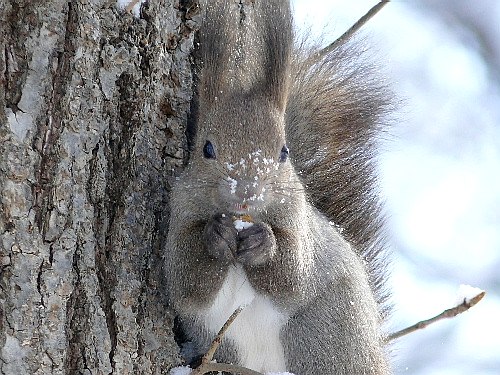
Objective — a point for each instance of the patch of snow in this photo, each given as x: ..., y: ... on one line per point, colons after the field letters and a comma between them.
x: 133, y: 6
x: 240, y: 224
x: 233, y: 184
x: 181, y: 370
x: 467, y: 293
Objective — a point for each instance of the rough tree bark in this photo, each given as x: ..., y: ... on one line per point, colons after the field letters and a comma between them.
x: 93, y: 107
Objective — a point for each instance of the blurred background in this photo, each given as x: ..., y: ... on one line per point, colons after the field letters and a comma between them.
x: 440, y: 171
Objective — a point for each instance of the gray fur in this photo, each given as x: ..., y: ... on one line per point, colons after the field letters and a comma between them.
x: 253, y: 99
x: 334, y: 119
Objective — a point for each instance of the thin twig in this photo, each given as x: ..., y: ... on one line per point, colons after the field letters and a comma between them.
x: 218, y: 339
x: 206, y: 361
x: 347, y: 35
x: 449, y: 313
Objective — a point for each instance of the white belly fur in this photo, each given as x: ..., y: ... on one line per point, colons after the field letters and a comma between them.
x: 255, y: 332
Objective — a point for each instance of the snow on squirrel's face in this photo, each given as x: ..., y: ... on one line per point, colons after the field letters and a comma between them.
x: 246, y: 184
x: 246, y: 149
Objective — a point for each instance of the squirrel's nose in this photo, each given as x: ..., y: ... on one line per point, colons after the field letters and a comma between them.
x: 247, y: 191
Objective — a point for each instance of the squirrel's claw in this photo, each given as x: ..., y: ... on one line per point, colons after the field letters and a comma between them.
x: 219, y: 237
x: 256, y: 245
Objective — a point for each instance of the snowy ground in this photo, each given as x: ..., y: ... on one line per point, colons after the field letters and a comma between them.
x: 440, y: 178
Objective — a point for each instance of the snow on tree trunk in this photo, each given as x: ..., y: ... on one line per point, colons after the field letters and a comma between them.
x: 93, y: 107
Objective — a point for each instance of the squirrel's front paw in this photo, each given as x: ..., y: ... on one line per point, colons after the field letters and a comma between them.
x: 256, y: 245
x: 220, y: 237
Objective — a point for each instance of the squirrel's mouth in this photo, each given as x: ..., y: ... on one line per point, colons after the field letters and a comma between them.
x: 242, y: 208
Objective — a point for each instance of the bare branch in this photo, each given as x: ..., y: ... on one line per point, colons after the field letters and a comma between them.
x: 206, y: 362
x: 347, y: 35
x: 449, y: 313
x: 218, y: 339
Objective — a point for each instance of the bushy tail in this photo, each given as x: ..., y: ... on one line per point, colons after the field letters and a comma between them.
x: 335, y: 117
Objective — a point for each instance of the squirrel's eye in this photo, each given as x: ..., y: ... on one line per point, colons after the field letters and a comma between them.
x: 283, y: 154
x: 208, y: 150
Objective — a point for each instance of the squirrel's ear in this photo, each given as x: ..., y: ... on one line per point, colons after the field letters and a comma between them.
x: 245, y: 52
x: 216, y: 41
x: 277, y: 35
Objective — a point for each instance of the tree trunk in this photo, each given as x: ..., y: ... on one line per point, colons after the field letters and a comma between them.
x: 93, y: 107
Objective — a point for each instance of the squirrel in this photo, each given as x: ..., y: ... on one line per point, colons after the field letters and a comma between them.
x: 290, y: 144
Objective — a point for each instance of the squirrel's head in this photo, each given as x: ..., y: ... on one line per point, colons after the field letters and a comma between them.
x: 241, y: 152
